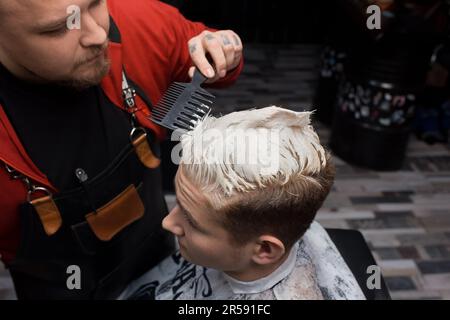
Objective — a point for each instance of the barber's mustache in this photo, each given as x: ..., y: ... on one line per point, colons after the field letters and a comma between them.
x: 94, y: 52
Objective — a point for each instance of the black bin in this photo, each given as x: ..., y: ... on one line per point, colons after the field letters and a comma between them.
x: 375, y: 105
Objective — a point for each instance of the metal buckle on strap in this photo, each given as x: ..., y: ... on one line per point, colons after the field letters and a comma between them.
x: 13, y: 173
x: 138, y: 135
x: 128, y: 93
x: 31, y: 188
x: 128, y: 96
x: 136, y: 130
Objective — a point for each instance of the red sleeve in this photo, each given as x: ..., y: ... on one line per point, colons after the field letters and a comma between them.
x: 158, y: 34
x: 184, y: 30
x: 12, y: 195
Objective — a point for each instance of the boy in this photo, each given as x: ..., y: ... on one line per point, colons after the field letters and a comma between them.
x: 248, y: 188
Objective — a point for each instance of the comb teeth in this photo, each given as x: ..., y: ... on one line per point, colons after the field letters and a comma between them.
x: 180, y: 110
x: 183, y: 105
x: 204, y: 93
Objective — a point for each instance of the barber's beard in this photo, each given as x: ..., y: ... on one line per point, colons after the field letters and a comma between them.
x: 97, y: 72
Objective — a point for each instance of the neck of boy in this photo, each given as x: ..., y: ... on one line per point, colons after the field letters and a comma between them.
x: 257, y: 271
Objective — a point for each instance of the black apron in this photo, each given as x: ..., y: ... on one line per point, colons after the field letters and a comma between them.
x: 45, y: 262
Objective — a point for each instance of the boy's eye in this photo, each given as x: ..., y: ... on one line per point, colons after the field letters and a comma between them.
x: 188, y: 219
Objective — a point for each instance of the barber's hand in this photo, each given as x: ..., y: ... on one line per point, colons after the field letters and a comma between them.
x: 225, y: 49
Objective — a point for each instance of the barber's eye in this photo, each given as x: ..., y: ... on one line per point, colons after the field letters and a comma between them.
x: 56, y: 32
x: 96, y: 3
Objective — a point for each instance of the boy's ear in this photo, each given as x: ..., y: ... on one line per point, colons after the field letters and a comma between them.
x: 268, y: 249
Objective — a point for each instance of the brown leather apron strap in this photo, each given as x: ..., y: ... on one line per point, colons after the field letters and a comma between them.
x: 45, y: 206
x: 140, y: 143
x: 48, y: 213
x: 143, y: 149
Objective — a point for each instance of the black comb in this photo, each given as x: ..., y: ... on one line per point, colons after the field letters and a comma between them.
x: 184, y: 105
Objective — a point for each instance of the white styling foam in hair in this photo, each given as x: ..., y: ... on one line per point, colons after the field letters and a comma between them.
x: 246, y: 150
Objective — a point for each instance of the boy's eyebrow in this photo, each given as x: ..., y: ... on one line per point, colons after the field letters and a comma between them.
x: 191, y: 218
x: 188, y: 214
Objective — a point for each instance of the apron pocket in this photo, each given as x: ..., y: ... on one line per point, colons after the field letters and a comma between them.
x: 117, y: 214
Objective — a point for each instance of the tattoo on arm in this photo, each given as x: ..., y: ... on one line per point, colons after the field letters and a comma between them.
x: 192, y: 48
x: 226, y: 40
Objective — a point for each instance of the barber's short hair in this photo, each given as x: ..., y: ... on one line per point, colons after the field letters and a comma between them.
x: 263, y: 171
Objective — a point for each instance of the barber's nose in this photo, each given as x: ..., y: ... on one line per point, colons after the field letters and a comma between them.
x: 170, y: 222
x: 92, y: 33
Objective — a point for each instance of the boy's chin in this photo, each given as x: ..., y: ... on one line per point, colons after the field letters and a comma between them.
x: 184, y: 253
x: 185, y: 256
x: 182, y: 250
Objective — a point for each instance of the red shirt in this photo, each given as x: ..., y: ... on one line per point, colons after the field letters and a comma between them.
x: 154, y: 53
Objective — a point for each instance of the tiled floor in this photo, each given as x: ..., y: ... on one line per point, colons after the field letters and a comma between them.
x: 404, y: 215
x: 6, y: 286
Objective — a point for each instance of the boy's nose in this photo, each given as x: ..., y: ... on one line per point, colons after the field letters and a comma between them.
x: 170, y: 223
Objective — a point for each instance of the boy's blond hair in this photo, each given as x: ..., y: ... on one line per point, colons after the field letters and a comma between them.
x: 277, y: 194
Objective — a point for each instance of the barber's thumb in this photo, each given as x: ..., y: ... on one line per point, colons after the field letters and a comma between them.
x: 206, y: 71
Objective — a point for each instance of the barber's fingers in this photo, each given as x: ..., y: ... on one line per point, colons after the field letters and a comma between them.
x: 238, y: 47
x: 191, y: 72
x: 198, y: 56
x: 223, y: 49
x: 210, y: 80
x: 213, y: 46
x: 228, y: 48
x: 235, y: 57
